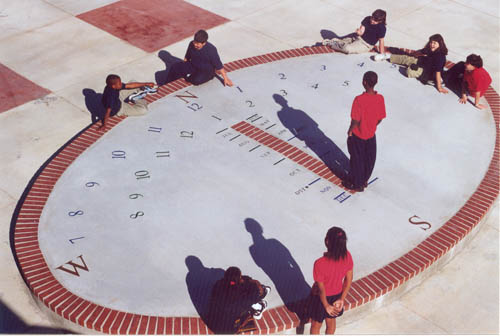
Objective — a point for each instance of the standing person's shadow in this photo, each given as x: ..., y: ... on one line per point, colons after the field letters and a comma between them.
x: 168, y: 59
x: 279, y: 265
x: 307, y: 130
x: 94, y: 104
x: 199, y: 281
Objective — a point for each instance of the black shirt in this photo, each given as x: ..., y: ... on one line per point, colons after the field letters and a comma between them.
x: 205, y: 59
x: 372, y: 32
x: 433, y: 62
x: 111, y: 98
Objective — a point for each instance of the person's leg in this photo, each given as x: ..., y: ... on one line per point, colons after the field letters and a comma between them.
x: 370, y: 156
x: 200, y: 77
x: 139, y: 108
x: 315, y: 327
x: 356, y: 164
x: 403, y: 59
x: 454, y: 77
x: 358, y: 46
x: 179, y: 70
x: 331, y: 325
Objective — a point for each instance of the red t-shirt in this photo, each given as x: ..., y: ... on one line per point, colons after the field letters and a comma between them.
x: 477, y: 80
x: 368, y: 109
x: 332, y: 273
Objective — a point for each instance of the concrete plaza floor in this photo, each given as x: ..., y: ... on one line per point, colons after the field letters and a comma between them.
x: 50, y: 43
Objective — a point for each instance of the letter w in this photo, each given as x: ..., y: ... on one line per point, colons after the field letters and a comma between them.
x: 75, y: 266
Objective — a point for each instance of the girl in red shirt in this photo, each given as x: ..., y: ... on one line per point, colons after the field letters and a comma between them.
x: 332, y: 280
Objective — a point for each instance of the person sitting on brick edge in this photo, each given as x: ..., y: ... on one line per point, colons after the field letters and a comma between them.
x: 114, y: 99
x: 469, y: 77
x: 200, y: 64
x: 235, y: 301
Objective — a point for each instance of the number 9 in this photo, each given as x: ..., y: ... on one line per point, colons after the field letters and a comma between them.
x: 135, y: 196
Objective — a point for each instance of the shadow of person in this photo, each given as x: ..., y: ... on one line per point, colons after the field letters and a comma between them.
x: 307, y: 130
x: 199, y: 281
x: 11, y: 323
x: 279, y: 265
x: 94, y: 104
x: 168, y: 59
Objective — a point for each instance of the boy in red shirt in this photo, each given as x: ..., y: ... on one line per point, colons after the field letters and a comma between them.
x: 471, y: 77
x: 368, y: 110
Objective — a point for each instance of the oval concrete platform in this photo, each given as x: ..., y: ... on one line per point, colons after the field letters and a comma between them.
x: 55, y: 271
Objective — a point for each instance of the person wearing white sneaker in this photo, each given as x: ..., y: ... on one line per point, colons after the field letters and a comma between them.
x: 235, y: 299
x: 427, y: 64
x: 114, y: 99
x: 371, y: 32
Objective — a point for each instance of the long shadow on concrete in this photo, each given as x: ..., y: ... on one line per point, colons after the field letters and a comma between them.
x: 306, y: 129
x: 10, y: 323
x: 199, y: 281
x: 280, y: 266
x: 93, y: 102
x: 168, y: 59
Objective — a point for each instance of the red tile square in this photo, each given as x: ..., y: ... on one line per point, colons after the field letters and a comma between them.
x: 16, y: 90
x: 153, y: 24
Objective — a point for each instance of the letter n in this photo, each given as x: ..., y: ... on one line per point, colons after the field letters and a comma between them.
x: 75, y: 266
x: 181, y: 97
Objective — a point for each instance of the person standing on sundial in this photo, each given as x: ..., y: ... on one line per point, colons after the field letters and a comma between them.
x: 200, y: 64
x: 368, y: 110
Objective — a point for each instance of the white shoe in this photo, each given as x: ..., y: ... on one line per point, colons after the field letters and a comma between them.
x: 267, y: 290
x: 326, y: 42
x: 259, y: 309
x: 381, y: 57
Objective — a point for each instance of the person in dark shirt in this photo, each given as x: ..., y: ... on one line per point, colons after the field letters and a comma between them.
x: 200, y: 64
x: 234, y: 300
x: 371, y: 31
x: 425, y: 64
x: 114, y: 96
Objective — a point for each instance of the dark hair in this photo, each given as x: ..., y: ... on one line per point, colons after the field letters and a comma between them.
x: 379, y: 16
x: 370, y: 78
x: 335, y: 242
x: 111, y: 79
x: 201, y: 36
x: 474, y: 60
x: 442, y: 46
x: 232, y: 276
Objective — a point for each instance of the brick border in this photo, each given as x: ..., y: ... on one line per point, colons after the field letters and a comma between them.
x: 37, y: 275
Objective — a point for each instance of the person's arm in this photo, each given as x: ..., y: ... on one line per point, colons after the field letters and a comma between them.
x: 105, y: 119
x: 322, y: 296
x: 135, y: 85
x: 439, y: 87
x: 477, y: 97
x: 354, y: 124
x: 339, y: 304
x: 227, y: 81
x: 463, y: 98
x: 361, y: 30
x: 381, y: 46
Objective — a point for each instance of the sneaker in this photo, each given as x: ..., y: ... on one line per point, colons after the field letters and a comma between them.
x: 326, y: 42
x: 267, y: 290
x: 257, y: 314
x: 136, y: 96
x: 150, y: 90
x: 381, y: 57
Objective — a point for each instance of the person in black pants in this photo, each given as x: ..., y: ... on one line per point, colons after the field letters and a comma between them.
x: 368, y: 110
x: 200, y: 64
x: 235, y: 301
